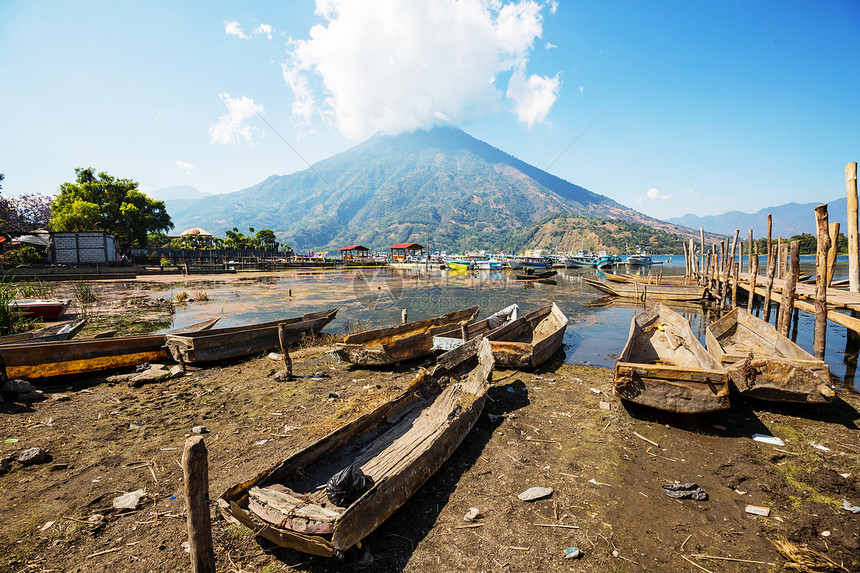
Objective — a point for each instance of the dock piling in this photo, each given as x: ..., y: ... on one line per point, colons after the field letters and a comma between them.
x: 821, y: 268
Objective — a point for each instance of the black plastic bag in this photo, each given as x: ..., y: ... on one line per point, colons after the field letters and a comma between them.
x: 685, y: 491
x: 347, y: 485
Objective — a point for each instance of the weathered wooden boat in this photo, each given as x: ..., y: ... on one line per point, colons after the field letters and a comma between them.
x: 398, y: 446
x: 236, y: 341
x: 644, y: 292
x: 533, y: 276
x: 764, y: 364
x: 59, y: 331
x: 46, y: 309
x: 38, y: 360
x: 657, y: 279
x: 396, y: 344
x: 524, y: 342
x: 663, y: 365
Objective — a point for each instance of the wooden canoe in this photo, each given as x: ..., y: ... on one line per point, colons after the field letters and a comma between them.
x: 60, y: 331
x: 764, y: 364
x: 646, y: 292
x: 405, y: 342
x: 663, y: 365
x: 400, y: 444
x: 38, y: 360
x: 536, y: 276
x: 649, y: 279
x: 525, y: 342
x: 236, y: 341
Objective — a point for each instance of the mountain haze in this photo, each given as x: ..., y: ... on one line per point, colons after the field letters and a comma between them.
x: 788, y: 220
x: 441, y: 186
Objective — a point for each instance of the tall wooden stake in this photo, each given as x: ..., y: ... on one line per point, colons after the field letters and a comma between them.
x: 780, y: 259
x: 750, y: 247
x: 769, y: 240
x: 195, y: 471
x: 771, y: 268
x: 736, y: 266
x: 831, y: 253
x: 789, y: 289
x: 734, y: 244
x: 702, y: 247
x: 285, y: 349
x: 686, y: 260
x: 693, y: 257
x: 753, y: 276
x: 819, y: 340
x: 853, y: 241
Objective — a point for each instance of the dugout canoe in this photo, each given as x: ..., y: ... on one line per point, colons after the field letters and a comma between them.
x: 645, y: 292
x: 405, y: 342
x: 524, y: 342
x: 658, y: 279
x: 236, y: 341
x: 60, y: 331
x: 663, y: 365
x: 536, y: 275
x: 39, y: 360
x: 764, y: 364
x: 399, y: 445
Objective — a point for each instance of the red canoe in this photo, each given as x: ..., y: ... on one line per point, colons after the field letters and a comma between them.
x: 40, y: 308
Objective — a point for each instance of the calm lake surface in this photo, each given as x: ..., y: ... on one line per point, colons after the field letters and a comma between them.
x: 374, y: 298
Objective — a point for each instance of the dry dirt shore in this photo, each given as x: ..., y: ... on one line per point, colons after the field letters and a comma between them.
x: 545, y: 428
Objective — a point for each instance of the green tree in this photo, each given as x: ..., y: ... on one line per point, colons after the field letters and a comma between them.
x: 267, y: 240
x: 103, y: 203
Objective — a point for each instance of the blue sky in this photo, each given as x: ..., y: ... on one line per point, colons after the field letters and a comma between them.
x: 706, y: 107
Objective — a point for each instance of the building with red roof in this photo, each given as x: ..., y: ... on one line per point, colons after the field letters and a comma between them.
x: 400, y: 251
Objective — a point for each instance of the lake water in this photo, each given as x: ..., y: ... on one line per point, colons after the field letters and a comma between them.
x: 375, y: 298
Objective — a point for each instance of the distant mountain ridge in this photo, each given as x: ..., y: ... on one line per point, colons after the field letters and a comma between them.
x: 177, y: 192
x: 442, y: 186
x: 788, y: 219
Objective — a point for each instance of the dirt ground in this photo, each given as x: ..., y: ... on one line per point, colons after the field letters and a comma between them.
x: 545, y: 428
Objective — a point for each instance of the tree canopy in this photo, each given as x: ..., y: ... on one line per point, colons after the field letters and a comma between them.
x: 103, y: 203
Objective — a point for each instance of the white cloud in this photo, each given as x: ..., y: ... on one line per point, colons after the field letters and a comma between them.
x: 553, y: 7
x: 691, y: 192
x: 549, y: 46
x: 186, y: 166
x: 533, y: 97
x: 655, y: 195
x: 388, y: 66
x: 231, y: 128
x: 264, y: 29
x: 581, y: 89
x: 234, y: 28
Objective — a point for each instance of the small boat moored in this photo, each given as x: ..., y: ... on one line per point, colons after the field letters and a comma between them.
x: 46, y: 309
x: 764, y: 364
x: 61, y: 331
x: 387, y: 453
x: 663, y: 365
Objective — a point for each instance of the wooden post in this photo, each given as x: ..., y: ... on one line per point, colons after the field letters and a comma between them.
x: 686, y: 259
x: 734, y: 244
x: 724, y: 289
x: 831, y: 252
x: 788, y: 291
x: 195, y: 472
x: 769, y: 240
x: 285, y: 349
x: 735, y: 272
x: 771, y: 268
x: 853, y: 241
x: 464, y: 331
x: 403, y: 315
x: 753, y: 276
x: 702, y: 248
x: 819, y: 339
x: 780, y: 258
x: 750, y: 247
x: 693, y: 258
x: 707, y: 278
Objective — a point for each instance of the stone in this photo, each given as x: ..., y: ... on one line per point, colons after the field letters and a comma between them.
x: 61, y: 397
x: 199, y: 430
x: 176, y: 371
x: 4, y: 465
x: 116, y: 378
x: 32, y: 456
x: 535, y: 493
x: 17, y: 386
x: 474, y: 513
x: 33, y: 396
x: 150, y: 375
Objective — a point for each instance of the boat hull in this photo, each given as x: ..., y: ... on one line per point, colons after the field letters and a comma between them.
x: 400, y: 445
x: 40, y: 308
x: 645, y: 292
x: 234, y: 342
x: 397, y: 344
x: 764, y: 364
x: 664, y: 366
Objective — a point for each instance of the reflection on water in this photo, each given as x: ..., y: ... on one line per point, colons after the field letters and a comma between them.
x: 375, y: 297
